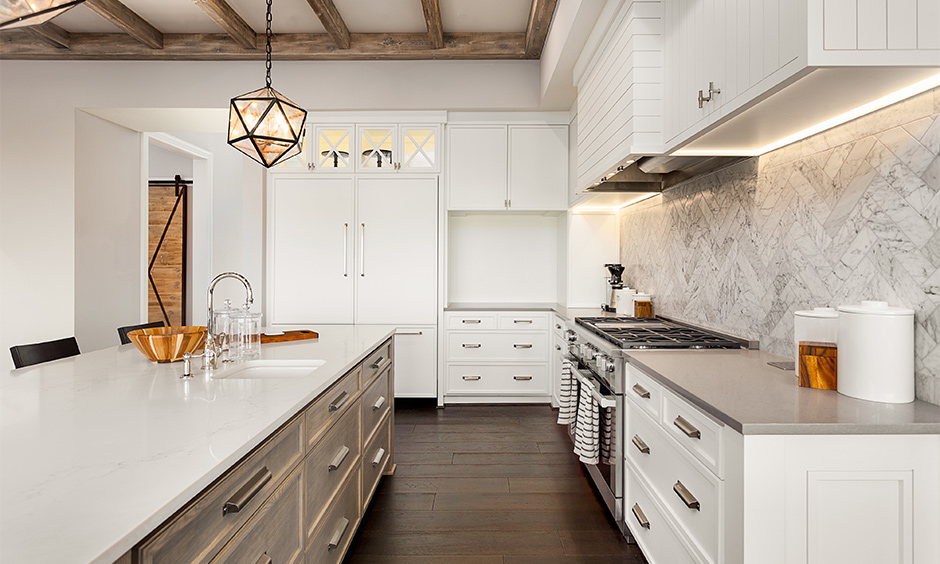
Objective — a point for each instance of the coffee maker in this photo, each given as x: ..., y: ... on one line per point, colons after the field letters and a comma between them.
x: 614, y: 283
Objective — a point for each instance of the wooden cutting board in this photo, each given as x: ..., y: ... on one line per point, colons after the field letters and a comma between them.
x: 298, y: 335
x: 818, y: 365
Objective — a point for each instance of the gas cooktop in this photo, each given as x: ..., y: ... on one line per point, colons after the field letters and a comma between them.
x: 657, y: 333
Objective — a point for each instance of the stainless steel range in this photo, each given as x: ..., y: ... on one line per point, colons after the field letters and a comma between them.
x: 596, y: 348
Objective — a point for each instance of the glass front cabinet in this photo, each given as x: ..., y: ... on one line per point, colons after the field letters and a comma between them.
x: 380, y: 148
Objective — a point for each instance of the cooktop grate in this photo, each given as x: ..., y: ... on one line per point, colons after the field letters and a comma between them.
x: 656, y: 333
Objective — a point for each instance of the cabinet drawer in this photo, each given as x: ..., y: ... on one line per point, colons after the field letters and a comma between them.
x: 693, y: 430
x: 522, y: 321
x: 653, y: 532
x: 275, y: 532
x: 376, y: 402
x: 497, y: 346
x: 558, y: 326
x: 667, y: 470
x: 374, y: 461
x: 330, y: 406
x: 376, y: 362
x: 197, y: 534
x: 337, y: 529
x: 521, y: 379
x: 468, y: 321
x: 328, y: 465
x: 644, y: 391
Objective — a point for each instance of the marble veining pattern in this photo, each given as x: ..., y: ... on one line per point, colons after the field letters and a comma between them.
x: 849, y: 214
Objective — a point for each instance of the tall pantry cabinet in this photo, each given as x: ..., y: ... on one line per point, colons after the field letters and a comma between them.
x: 359, y: 249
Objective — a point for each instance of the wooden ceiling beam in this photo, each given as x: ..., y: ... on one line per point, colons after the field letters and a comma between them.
x: 50, y: 33
x: 229, y: 20
x: 285, y: 47
x: 540, y: 18
x: 128, y: 21
x: 332, y: 21
x: 432, y: 15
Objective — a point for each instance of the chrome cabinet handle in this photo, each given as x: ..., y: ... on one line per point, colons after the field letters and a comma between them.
x: 471, y: 345
x: 473, y: 321
x: 414, y: 333
x: 522, y: 321
x: 521, y: 377
x: 265, y: 559
x: 378, y: 457
x: 339, y: 458
x: 251, y: 488
x: 687, y: 428
x: 640, y: 444
x: 376, y: 364
x: 522, y: 346
x: 557, y: 347
x: 362, y: 252
x: 557, y: 326
x: 471, y: 378
x: 345, y: 250
x: 641, y: 391
x: 686, y: 496
x: 378, y: 403
x: 339, y: 401
x: 640, y: 516
x: 338, y: 534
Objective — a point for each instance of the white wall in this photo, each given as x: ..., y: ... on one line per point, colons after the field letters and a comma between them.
x: 593, y: 241
x: 165, y: 164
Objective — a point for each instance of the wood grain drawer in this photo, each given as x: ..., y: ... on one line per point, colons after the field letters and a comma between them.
x: 518, y: 379
x: 693, y: 430
x: 274, y: 532
x: 202, y: 528
x: 470, y: 321
x: 375, y: 456
x: 330, y: 406
x: 328, y: 466
x: 652, y: 530
x: 497, y: 346
x: 522, y: 321
x: 644, y: 391
x: 337, y: 529
x: 376, y: 362
x: 376, y: 402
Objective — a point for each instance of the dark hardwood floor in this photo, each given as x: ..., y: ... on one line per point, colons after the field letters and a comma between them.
x: 486, y: 485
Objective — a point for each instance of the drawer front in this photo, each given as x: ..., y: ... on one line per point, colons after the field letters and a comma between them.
x: 657, y: 539
x: 329, y: 465
x: 644, y: 391
x: 376, y: 363
x: 667, y: 470
x: 375, y: 458
x: 471, y: 321
x: 522, y: 321
x: 376, y: 402
x: 497, y: 346
x: 330, y: 406
x: 214, y: 517
x: 338, y: 527
x: 521, y: 379
x: 275, y: 532
x: 693, y: 430
x: 558, y: 326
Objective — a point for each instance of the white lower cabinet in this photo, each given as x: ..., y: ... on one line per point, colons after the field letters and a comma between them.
x: 416, y: 362
x: 559, y: 349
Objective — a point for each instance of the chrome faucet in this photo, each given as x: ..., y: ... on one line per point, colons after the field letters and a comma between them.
x: 213, y: 347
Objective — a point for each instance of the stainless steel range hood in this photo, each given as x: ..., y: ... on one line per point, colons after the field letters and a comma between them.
x: 655, y: 174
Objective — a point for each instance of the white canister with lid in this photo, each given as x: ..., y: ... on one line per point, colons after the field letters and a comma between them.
x: 819, y: 325
x: 876, y: 352
x: 625, y: 301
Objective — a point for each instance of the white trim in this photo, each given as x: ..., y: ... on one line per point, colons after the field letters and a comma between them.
x: 416, y: 117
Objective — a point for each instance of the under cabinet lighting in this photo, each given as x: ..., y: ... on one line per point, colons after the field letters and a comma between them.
x: 615, y: 208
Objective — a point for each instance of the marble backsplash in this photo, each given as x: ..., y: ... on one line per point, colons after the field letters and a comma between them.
x: 849, y: 214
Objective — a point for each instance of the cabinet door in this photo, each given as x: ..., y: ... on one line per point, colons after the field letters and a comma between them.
x: 313, y: 245
x: 332, y: 149
x: 538, y: 167
x: 420, y: 148
x: 377, y: 150
x: 416, y: 362
x: 476, y: 167
x: 397, y: 251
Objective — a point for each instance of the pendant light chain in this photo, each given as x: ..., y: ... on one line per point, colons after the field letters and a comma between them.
x: 267, y: 47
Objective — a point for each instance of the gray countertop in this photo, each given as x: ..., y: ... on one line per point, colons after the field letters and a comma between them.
x: 563, y: 311
x: 739, y: 388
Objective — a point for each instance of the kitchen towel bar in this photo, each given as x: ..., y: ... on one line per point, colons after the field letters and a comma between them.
x: 602, y: 400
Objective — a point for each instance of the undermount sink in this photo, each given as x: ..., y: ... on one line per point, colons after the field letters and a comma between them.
x: 269, y: 369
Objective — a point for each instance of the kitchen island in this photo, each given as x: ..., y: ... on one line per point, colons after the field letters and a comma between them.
x: 100, y: 449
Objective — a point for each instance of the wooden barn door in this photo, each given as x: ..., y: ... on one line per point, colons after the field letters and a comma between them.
x: 168, y: 228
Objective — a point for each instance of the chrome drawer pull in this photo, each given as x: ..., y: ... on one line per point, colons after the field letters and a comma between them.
x: 557, y: 326
x: 243, y: 496
x: 471, y: 345
x: 641, y: 391
x: 411, y: 333
x: 557, y: 347
x: 378, y: 457
x: 378, y: 403
x: 686, y: 496
x: 640, y: 444
x: 339, y: 401
x: 522, y: 321
x: 470, y: 378
x: 339, y: 458
x: 687, y: 428
x: 471, y: 321
x: 338, y: 534
x: 521, y: 377
x: 523, y: 346
x: 376, y: 364
x: 265, y: 559
x: 640, y: 516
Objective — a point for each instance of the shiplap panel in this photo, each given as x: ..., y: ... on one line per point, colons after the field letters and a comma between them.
x: 771, y: 39
x: 743, y: 33
x: 902, y: 24
x: 756, y: 44
x: 839, y: 24
x: 789, y: 31
x: 928, y: 14
x: 872, y: 24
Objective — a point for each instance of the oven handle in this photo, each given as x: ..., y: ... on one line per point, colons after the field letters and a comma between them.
x: 584, y: 377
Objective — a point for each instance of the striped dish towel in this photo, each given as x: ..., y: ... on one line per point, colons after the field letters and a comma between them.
x: 586, y: 437
x: 608, y: 451
x: 567, y: 401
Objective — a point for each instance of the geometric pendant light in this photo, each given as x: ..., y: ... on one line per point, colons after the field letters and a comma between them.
x: 21, y: 13
x: 264, y: 124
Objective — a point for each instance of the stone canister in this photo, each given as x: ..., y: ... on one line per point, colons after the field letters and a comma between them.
x: 876, y: 352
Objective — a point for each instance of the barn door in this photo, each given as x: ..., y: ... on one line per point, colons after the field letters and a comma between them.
x: 168, y: 241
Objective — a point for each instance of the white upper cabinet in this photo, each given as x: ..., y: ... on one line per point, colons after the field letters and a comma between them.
x: 420, y: 146
x: 332, y: 148
x: 365, y: 147
x: 514, y: 167
x: 377, y: 148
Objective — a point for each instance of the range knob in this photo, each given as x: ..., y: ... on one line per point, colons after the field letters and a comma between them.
x: 571, y: 336
x: 604, y: 363
x: 588, y: 351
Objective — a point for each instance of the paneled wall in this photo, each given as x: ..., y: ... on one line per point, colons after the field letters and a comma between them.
x: 850, y: 214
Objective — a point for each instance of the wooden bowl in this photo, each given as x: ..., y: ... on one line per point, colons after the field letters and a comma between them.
x: 168, y: 344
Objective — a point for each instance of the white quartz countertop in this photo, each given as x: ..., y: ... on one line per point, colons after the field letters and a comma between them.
x: 97, y: 450
x: 739, y: 388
